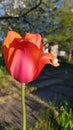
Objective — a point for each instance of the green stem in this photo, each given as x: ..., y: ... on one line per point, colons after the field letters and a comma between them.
x: 23, y: 107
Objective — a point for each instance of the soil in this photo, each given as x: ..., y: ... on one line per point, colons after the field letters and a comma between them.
x: 52, y: 85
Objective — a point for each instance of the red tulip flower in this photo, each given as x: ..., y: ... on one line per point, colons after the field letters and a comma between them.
x: 24, y: 58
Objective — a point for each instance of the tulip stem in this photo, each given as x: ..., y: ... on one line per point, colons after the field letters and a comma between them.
x: 23, y: 107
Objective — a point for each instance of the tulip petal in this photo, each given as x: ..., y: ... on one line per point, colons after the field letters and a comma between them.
x: 34, y: 38
x: 25, y: 61
x: 10, y: 37
x: 46, y: 58
x: 7, y: 52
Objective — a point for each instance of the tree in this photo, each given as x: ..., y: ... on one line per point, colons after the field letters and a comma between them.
x: 18, y: 17
x: 42, y: 16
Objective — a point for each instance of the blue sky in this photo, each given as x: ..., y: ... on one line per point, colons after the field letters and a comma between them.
x: 58, y: 3
x: 1, y: 11
x: 2, y: 8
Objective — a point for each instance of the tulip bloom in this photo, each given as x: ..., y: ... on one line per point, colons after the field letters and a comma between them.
x: 24, y: 58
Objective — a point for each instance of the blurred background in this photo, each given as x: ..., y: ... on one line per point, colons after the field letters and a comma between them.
x: 53, y: 19
x: 53, y: 89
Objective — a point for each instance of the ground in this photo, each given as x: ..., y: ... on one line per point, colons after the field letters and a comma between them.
x: 53, y: 85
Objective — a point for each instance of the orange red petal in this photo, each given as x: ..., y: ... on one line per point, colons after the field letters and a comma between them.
x: 34, y: 38
x: 24, y: 57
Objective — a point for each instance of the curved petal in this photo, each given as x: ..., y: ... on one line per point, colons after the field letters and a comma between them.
x: 46, y: 58
x: 7, y: 52
x: 34, y: 38
x: 24, y: 61
x: 10, y: 37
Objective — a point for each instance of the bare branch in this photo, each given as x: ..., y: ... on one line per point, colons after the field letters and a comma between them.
x: 36, y: 6
x: 8, y: 17
x: 18, y: 17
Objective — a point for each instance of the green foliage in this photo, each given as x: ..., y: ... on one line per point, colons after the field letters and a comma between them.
x: 6, y: 127
x: 3, y: 70
x: 65, y: 118
x: 48, y: 120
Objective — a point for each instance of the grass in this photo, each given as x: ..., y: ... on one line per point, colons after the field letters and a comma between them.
x: 3, y: 70
x: 7, y: 127
x: 63, y: 120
